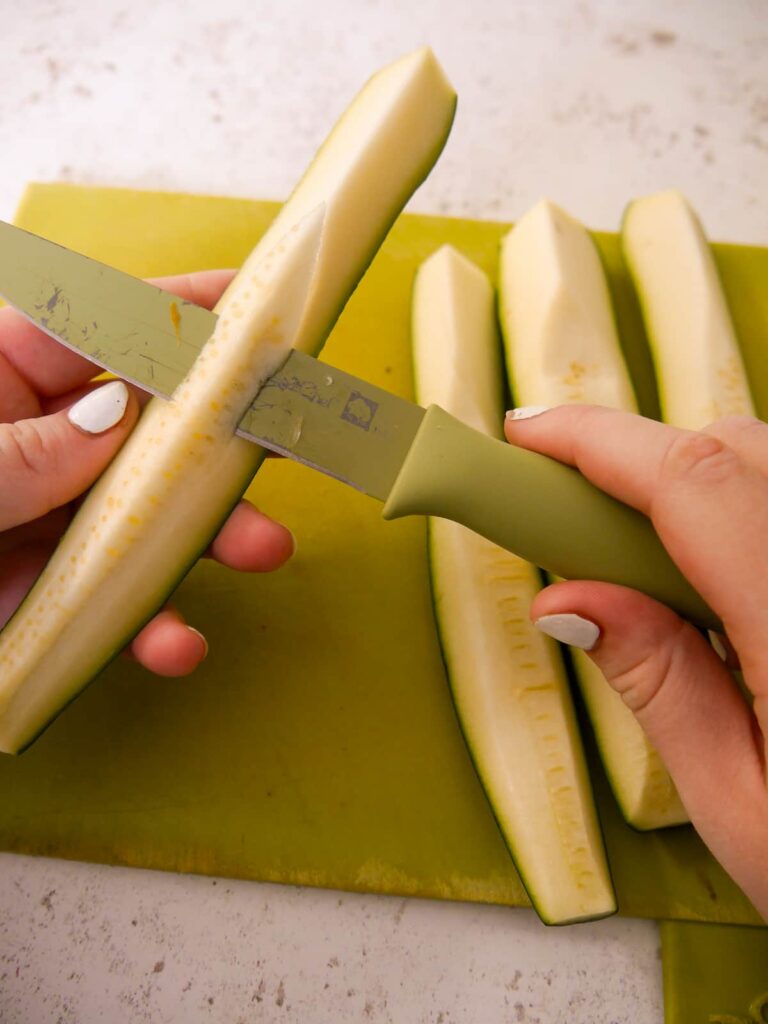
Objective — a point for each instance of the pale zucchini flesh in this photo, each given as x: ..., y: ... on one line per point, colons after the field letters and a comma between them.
x: 182, y: 470
x: 507, y: 679
x: 699, y: 368
x: 562, y: 346
x: 378, y: 153
x: 560, y: 338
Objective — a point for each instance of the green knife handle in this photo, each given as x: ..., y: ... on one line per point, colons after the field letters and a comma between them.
x: 538, y: 508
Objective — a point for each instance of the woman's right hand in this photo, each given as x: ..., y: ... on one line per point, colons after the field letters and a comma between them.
x: 706, y: 493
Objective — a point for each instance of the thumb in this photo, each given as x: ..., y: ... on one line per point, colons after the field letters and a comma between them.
x: 686, y: 701
x: 48, y: 461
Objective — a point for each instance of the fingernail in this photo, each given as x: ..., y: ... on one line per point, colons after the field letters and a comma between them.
x: 205, y: 642
x: 571, y: 629
x: 295, y: 542
x: 525, y: 412
x: 100, y: 409
x: 717, y: 645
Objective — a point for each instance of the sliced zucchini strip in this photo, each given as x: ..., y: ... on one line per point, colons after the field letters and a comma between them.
x: 561, y: 346
x: 507, y: 679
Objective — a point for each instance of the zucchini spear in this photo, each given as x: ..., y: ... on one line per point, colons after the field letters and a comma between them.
x: 699, y: 370
x: 508, y: 680
x: 700, y: 373
x: 561, y: 346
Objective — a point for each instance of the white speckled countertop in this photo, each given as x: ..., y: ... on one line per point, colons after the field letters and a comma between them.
x: 589, y: 103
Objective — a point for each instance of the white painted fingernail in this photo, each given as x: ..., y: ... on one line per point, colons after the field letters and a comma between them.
x: 525, y: 412
x: 717, y: 645
x: 205, y: 642
x: 100, y: 409
x: 571, y: 629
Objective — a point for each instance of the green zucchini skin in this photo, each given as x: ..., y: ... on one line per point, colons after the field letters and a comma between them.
x: 508, y: 681
x: 56, y: 642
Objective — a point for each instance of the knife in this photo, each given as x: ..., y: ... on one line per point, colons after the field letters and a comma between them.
x: 417, y: 461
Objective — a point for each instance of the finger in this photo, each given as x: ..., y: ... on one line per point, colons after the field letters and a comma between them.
x: 691, y: 485
x: 252, y: 542
x: 745, y: 435
x: 687, y: 703
x: 167, y: 646
x: 724, y: 649
x: 32, y: 364
x: 18, y: 400
x: 204, y: 287
x: 620, y: 452
x: 44, y: 367
x: 58, y: 402
x: 47, y: 462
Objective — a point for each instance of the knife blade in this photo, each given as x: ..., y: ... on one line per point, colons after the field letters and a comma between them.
x: 308, y: 411
x: 124, y: 325
x: 418, y: 462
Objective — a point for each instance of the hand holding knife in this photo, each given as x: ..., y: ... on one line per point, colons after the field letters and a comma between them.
x: 416, y: 461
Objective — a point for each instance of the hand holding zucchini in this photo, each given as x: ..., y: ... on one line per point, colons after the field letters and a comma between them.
x: 183, y: 469
x: 51, y: 451
x: 160, y: 502
x: 707, y: 489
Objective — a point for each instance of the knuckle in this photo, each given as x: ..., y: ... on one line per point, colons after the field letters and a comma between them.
x: 642, y: 677
x: 25, y: 459
x: 639, y: 682
x: 700, y: 458
x: 585, y: 423
x: 729, y: 428
x: 23, y: 447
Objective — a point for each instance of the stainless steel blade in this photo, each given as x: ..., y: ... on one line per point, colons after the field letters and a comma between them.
x: 123, y: 324
x: 308, y: 411
x: 334, y: 422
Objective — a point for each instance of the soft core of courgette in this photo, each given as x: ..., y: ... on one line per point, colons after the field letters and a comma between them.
x: 699, y: 369
x: 507, y: 679
x: 183, y: 469
x: 561, y: 346
x: 700, y: 372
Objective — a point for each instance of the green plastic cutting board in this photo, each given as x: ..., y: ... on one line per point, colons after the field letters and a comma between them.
x: 318, y: 744
x: 714, y: 974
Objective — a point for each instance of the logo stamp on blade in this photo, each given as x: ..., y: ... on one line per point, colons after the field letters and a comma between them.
x: 359, y: 410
